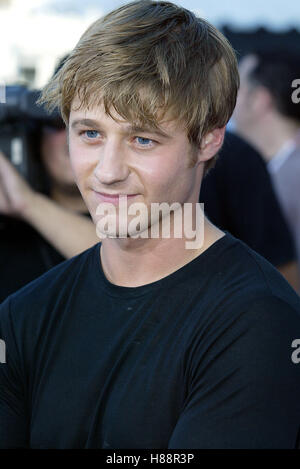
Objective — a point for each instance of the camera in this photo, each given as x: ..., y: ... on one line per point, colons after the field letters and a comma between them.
x: 21, y: 121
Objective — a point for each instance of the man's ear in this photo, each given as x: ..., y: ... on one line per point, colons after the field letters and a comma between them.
x: 211, y: 144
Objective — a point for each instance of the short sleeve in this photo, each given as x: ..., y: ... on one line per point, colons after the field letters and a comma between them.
x: 13, y: 415
x: 244, y: 387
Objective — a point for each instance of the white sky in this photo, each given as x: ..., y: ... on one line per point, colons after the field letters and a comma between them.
x: 275, y: 13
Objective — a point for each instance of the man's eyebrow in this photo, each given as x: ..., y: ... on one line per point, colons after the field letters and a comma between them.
x: 86, y: 122
x: 152, y: 130
x: 130, y: 129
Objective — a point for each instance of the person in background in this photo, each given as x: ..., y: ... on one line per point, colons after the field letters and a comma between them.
x: 267, y: 117
x: 239, y: 197
x: 48, y: 227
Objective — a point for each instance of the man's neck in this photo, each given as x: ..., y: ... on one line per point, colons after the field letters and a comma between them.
x: 137, y: 262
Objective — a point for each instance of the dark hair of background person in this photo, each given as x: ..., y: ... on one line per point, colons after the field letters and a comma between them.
x: 276, y: 71
x: 45, y: 184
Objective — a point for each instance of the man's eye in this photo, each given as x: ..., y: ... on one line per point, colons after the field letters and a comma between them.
x: 90, y: 134
x: 145, y: 142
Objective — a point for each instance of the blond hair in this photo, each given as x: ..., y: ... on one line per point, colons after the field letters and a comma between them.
x: 147, y: 59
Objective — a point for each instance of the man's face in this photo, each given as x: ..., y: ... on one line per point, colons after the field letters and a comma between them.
x: 244, y: 114
x: 110, y: 157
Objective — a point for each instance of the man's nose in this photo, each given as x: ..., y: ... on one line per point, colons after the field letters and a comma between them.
x: 112, y: 166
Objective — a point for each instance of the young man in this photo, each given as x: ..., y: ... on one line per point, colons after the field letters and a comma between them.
x: 140, y: 342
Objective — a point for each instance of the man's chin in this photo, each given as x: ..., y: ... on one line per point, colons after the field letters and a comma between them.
x: 125, y: 232
x: 115, y: 227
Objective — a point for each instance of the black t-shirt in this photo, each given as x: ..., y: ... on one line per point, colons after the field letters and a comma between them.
x: 239, y: 198
x: 199, y: 359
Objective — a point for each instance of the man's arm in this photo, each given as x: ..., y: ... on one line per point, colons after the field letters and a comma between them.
x: 244, y: 390
x: 14, y: 426
x: 68, y: 232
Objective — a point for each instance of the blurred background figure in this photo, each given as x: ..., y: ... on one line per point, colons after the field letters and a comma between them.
x: 268, y: 117
x: 55, y: 159
x: 41, y: 229
x: 239, y: 197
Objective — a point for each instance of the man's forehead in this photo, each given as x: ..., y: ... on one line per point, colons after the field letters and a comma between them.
x: 95, y: 114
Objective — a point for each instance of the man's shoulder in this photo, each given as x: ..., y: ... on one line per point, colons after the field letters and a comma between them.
x: 243, y: 276
x: 245, y: 301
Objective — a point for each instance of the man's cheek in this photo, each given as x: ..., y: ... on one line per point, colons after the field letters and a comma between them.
x: 77, y: 167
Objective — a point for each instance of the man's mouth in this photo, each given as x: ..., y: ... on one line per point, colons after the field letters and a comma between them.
x: 113, y: 198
